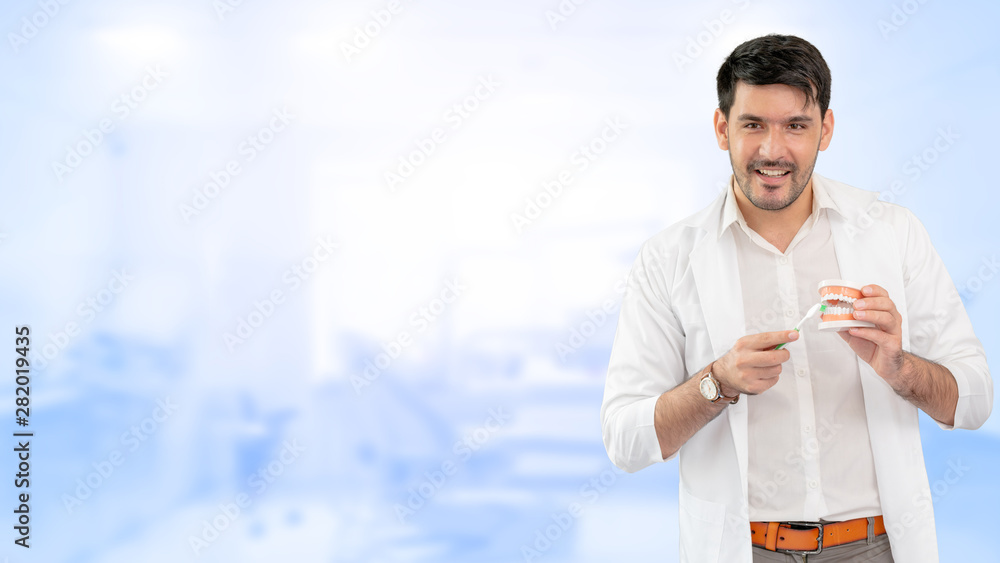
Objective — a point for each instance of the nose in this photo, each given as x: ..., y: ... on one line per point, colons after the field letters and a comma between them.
x: 773, y: 146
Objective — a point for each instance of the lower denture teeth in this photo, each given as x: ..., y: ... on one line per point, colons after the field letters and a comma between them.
x: 839, y: 311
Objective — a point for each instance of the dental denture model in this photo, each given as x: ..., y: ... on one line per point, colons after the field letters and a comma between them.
x: 839, y: 296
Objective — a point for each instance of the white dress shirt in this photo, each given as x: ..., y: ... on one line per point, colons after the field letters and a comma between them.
x: 810, y: 453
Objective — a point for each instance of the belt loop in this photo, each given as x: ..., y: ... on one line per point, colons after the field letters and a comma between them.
x: 871, y: 530
x: 771, y: 536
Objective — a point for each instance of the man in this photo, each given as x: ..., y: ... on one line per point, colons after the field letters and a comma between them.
x: 824, y: 430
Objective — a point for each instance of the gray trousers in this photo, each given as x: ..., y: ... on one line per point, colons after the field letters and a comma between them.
x: 854, y: 552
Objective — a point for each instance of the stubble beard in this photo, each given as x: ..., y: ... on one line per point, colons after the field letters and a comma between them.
x: 799, y: 181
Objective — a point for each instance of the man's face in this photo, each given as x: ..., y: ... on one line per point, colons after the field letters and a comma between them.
x: 773, y: 140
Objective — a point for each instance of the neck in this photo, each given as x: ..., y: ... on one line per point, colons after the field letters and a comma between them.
x: 777, y: 227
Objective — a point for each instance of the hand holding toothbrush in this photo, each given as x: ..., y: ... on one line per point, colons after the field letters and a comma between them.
x: 752, y: 365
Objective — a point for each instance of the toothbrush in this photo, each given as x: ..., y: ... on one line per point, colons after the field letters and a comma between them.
x: 820, y: 307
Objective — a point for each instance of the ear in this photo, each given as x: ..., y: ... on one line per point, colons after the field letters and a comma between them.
x: 722, y: 129
x: 824, y: 141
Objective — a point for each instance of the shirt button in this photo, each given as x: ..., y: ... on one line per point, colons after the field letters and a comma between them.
x: 789, y: 313
x: 807, y: 429
x: 782, y: 260
x: 800, y: 372
x: 813, y: 484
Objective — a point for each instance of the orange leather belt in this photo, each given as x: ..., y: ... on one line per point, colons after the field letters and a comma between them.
x: 811, y: 537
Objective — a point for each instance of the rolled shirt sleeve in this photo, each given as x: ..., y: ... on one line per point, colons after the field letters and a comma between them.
x: 647, y: 359
x: 940, y: 329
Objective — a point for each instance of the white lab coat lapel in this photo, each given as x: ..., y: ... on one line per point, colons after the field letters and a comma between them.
x: 717, y: 278
x: 865, y: 268
x: 877, y: 264
x: 891, y: 441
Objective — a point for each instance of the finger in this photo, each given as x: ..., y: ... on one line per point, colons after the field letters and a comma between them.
x: 762, y: 384
x: 872, y: 290
x: 768, y: 340
x: 754, y: 380
x: 875, y: 335
x: 876, y: 304
x: 768, y: 373
x: 751, y: 374
x: 767, y: 358
x: 883, y: 320
x: 866, y: 305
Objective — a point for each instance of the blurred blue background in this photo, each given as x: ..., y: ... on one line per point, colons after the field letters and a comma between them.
x: 297, y: 292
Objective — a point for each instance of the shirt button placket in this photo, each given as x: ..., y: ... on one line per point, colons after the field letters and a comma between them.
x: 807, y: 413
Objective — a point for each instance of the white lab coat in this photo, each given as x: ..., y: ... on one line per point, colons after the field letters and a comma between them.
x: 683, y: 309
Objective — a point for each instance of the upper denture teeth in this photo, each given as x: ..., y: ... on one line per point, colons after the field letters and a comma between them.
x: 838, y: 297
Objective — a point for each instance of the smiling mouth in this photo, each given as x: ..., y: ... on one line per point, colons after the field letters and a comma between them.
x: 772, y: 172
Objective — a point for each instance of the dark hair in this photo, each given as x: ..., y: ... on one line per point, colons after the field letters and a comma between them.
x: 775, y: 59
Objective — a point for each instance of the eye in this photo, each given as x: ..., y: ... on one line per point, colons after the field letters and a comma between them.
x: 752, y: 126
x: 797, y: 126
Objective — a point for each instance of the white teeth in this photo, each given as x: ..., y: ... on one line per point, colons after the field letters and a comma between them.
x: 838, y: 297
x: 772, y: 173
x: 838, y: 311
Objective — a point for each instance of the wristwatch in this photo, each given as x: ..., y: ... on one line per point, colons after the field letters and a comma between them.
x: 712, y: 390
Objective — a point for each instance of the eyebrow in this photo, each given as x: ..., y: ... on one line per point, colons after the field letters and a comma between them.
x: 793, y: 119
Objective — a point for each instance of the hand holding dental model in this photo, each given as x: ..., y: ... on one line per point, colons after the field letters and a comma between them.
x: 876, y: 336
x: 868, y: 321
x: 844, y: 304
x: 876, y: 333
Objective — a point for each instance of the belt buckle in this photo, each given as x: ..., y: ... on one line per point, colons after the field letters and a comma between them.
x: 819, y: 540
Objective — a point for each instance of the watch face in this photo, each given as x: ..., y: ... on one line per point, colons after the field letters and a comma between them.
x: 709, y: 389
